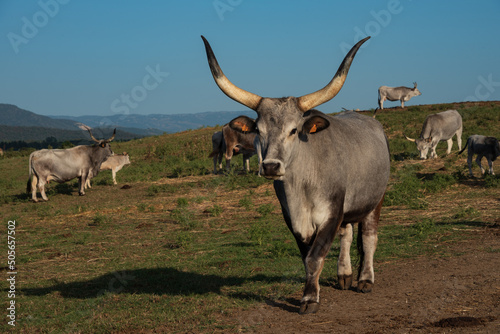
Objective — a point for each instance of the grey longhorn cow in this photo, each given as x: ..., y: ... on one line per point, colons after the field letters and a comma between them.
x: 439, y: 127
x: 62, y: 165
x: 483, y: 146
x: 396, y: 93
x: 329, y: 173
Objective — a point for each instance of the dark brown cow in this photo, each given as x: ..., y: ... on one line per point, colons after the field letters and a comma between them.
x: 230, y: 143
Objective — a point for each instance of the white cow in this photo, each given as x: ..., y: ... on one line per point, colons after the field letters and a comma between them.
x: 115, y: 163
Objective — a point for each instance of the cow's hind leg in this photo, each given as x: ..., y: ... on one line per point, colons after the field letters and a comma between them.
x: 478, y: 161
x: 344, y: 269
x: 34, y: 184
x: 41, y: 186
x: 469, y: 162
x: 367, y: 243
x: 450, y: 145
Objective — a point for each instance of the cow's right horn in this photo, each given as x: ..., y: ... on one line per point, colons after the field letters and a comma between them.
x: 92, y: 136
x: 408, y: 138
x: 239, y: 95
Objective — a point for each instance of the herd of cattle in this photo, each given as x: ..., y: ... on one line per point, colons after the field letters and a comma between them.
x: 299, y: 147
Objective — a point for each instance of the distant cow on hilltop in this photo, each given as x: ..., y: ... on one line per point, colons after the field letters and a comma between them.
x: 396, y: 93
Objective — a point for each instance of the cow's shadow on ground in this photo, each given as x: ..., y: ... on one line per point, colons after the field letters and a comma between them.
x: 161, y: 281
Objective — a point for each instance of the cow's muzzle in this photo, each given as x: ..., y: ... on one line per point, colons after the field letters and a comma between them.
x: 272, y: 169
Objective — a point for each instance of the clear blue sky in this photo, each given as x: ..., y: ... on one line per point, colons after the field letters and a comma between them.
x: 76, y: 57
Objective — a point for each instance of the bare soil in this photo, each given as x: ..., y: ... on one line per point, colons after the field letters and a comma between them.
x: 457, y: 294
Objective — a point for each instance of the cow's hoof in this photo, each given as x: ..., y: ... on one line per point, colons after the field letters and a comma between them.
x: 345, y: 282
x: 365, y: 286
x: 82, y: 194
x: 308, y: 307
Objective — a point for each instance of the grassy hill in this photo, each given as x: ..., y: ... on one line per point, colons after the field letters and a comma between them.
x: 181, y: 250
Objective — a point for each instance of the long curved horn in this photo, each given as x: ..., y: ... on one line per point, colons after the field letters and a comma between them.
x: 410, y: 139
x: 309, y: 101
x: 112, y: 137
x: 239, y: 95
x: 92, y: 136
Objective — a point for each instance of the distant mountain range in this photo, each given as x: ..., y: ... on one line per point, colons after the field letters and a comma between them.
x: 17, y: 124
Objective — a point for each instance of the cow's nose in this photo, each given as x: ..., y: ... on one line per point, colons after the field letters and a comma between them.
x: 271, y: 168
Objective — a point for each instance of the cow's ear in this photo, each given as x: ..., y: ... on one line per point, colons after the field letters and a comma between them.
x: 315, y: 124
x: 243, y: 124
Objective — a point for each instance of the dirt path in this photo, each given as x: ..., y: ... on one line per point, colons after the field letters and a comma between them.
x: 459, y: 294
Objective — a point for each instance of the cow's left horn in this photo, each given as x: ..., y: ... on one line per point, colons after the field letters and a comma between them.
x: 239, y: 95
x: 112, y: 137
x: 309, y: 101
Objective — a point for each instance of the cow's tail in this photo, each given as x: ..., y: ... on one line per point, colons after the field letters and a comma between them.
x: 466, y: 143
x: 30, y: 172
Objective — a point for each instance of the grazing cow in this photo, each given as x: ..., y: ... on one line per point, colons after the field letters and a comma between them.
x: 439, y: 127
x: 230, y: 143
x: 329, y: 173
x: 63, y: 165
x: 396, y: 93
x: 115, y: 163
x: 483, y: 146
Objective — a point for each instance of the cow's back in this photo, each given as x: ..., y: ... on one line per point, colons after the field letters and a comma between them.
x: 443, y: 125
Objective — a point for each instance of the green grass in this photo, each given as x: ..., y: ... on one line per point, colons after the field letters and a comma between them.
x: 180, y: 247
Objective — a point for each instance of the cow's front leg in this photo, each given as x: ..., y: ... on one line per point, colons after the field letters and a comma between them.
x: 81, y: 185
x: 344, y: 269
x: 314, y: 262
x: 450, y: 145
x: 490, y: 164
x: 402, y: 103
x: 433, y: 152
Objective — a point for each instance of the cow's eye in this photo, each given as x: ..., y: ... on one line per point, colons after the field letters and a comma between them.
x: 294, y: 131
